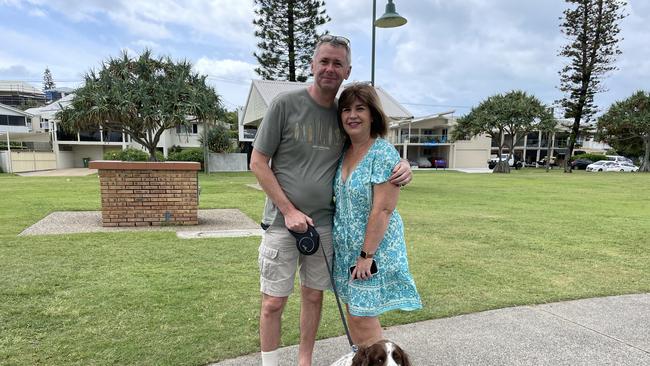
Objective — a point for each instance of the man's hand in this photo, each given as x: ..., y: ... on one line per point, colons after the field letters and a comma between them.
x: 297, y: 221
x: 402, y: 174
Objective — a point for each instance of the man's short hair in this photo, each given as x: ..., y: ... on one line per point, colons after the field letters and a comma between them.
x: 334, y: 41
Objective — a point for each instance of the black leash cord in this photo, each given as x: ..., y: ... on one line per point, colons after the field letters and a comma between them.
x: 338, y: 302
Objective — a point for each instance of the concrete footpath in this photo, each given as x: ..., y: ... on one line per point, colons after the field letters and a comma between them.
x: 600, y: 331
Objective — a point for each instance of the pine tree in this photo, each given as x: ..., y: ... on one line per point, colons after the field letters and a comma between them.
x: 287, y: 33
x: 593, y: 32
x: 48, y: 81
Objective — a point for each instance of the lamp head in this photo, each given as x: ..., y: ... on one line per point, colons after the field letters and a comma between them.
x: 390, y: 19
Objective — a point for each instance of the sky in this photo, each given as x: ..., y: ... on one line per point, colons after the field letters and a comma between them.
x: 449, y: 56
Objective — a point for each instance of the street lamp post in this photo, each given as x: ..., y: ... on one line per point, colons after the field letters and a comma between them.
x: 390, y: 19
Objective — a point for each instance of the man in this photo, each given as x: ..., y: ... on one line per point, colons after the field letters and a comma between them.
x: 300, y: 133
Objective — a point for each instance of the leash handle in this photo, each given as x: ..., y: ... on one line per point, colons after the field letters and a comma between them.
x: 338, y: 303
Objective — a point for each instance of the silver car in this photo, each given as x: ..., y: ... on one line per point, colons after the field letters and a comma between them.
x: 599, y: 166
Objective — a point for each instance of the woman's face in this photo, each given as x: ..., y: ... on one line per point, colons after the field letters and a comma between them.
x: 356, y: 119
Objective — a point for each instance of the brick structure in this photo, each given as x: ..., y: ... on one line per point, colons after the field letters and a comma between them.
x: 148, y: 193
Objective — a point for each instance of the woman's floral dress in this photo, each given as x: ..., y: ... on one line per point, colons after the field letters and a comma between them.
x: 393, y: 286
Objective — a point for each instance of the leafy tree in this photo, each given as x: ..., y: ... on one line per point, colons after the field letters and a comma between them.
x: 287, y: 33
x: 143, y: 97
x: 593, y: 32
x: 506, y: 118
x: 629, y: 120
x: 48, y: 81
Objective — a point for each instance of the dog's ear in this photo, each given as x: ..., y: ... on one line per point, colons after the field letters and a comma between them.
x: 361, y: 357
x: 400, y: 357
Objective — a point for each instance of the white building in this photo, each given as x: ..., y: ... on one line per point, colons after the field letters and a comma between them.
x: 71, y: 149
x: 415, y: 138
x: 24, y: 148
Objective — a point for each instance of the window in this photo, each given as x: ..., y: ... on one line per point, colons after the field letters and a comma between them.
x: 192, y: 129
x: 6, y: 120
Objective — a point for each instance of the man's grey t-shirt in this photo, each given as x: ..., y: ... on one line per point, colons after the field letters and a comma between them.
x: 304, y: 142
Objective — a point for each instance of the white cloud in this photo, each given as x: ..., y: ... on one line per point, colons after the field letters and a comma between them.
x: 229, y: 70
x: 201, y: 21
x: 36, y: 12
x: 145, y: 43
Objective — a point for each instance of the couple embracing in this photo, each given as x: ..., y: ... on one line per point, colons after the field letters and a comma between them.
x: 318, y: 150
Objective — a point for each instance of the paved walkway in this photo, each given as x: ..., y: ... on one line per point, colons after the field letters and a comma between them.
x: 601, y: 331
x: 72, y: 172
x: 212, y: 223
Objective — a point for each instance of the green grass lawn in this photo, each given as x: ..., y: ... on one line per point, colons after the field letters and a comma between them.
x: 476, y: 242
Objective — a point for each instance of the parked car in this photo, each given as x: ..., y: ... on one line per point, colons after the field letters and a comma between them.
x: 623, y: 167
x: 512, y: 162
x: 619, y: 159
x: 542, y: 162
x: 599, y: 166
x: 612, y: 166
x: 580, y: 164
x: 423, y: 162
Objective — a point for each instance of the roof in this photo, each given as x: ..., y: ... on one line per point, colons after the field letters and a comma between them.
x: 262, y: 93
x: 48, y: 111
x: 19, y: 86
x: 15, y: 110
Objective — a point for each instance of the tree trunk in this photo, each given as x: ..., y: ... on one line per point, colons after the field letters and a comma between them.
x: 575, y: 129
x: 152, y: 153
x: 645, y: 166
x: 502, y: 167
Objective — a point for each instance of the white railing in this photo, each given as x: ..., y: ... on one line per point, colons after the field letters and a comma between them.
x: 420, y: 139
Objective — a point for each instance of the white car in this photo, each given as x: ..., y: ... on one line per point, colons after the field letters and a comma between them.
x: 611, y: 166
x: 600, y: 166
x: 623, y: 167
x: 423, y: 162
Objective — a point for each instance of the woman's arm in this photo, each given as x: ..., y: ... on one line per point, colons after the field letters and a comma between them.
x: 384, y: 201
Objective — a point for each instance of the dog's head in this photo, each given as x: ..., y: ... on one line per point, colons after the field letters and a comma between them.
x: 382, y: 353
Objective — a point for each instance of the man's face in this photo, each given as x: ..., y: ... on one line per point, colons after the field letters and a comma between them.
x: 330, y: 67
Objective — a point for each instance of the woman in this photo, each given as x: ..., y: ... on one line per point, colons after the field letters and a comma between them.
x: 367, y: 227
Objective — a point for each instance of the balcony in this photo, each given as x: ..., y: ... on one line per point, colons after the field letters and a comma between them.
x: 561, y: 143
x: 420, y: 139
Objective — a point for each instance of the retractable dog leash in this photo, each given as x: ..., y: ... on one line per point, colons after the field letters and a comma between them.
x: 338, y: 302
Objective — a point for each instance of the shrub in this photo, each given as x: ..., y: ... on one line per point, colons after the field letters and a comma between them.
x: 131, y: 154
x: 175, y: 149
x: 191, y: 154
x: 592, y: 157
x: 218, y: 139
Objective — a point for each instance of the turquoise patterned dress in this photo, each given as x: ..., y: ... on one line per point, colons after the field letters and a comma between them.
x: 393, y: 286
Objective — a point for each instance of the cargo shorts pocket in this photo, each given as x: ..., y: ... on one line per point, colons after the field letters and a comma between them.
x: 266, y: 260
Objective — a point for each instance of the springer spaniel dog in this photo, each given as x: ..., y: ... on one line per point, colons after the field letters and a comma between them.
x: 382, y: 353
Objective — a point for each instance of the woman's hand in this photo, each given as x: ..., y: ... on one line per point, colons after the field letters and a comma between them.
x: 362, y: 270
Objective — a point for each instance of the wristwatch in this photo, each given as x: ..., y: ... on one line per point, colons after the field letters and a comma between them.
x: 366, y: 255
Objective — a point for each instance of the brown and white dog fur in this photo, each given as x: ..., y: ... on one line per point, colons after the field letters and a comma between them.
x: 382, y: 353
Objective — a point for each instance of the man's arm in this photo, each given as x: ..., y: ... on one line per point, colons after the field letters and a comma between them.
x: 402, y: 174
x: 294, y: 219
